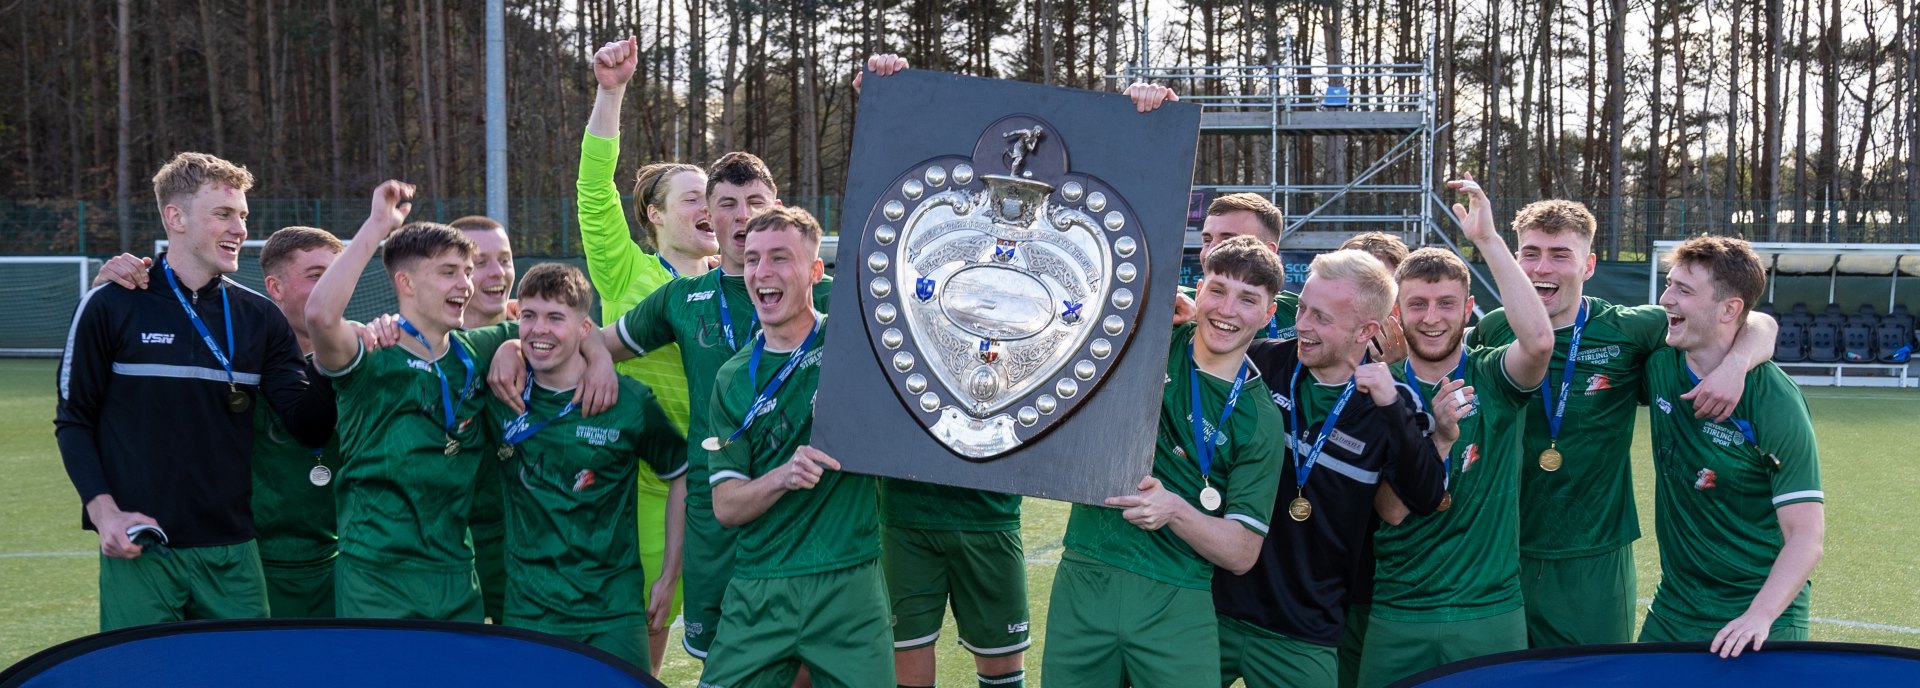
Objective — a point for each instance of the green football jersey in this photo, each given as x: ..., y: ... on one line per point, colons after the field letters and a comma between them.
x: 1586, y: 507
x: 403, y: 501
x: 1247, y: 457
x: 832, y: 526
x: 1280, y: 326
x: 293, y: 519
x: 1462, y: 563
x: 573, y: 559
x: 687, y: 311
x: 1715, y: 494
x: 926, y: 506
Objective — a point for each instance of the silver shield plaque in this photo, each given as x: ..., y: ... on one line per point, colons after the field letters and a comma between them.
x: 999, y: 288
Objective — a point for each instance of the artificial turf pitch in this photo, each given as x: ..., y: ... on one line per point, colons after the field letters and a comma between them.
x: 1864, y: 590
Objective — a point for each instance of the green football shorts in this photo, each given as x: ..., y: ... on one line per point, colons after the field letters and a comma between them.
x: 1108, y: 627
x: 221, y: 582
x: 1398, y: 649
x: 1579, y: 601
x: 364, y: 590
x: 983, y: 572
x: 299, y: 591
x: 834, y: 622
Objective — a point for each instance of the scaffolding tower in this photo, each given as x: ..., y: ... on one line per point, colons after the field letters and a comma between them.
x: 1392, y: 101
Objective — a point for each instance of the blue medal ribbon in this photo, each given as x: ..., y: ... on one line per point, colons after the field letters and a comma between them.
x: 726, y: 316
x: 226, y: 312
x: 1300, y: 470
x: 1746, y: 427
x: 1555, y: 410
x: 522, y: 426
x: 1203, y: 440
x: 667, y: 265
x: 773, y: 386
x: 447, y: 407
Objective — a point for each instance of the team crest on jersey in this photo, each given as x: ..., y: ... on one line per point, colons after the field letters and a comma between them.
x: 1599, y: 355
x: 1704, y: 480
x: 699, y: 296
x: 1469, y: 457
x: 1598, y: 382
x: 598, y: 437
x: 584, y: 479
x: 156, y: 338
x: 695, y: 628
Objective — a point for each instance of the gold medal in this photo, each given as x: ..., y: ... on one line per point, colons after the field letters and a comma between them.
x: 1550, y: 460
x: 1300, y: 509
x: 1446, y: 501
x: 453, y: 447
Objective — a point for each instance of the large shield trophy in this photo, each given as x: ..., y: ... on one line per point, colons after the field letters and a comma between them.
x: 1002, y: 308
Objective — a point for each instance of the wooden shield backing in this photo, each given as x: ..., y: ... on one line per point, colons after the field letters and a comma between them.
x: 1100, y: 446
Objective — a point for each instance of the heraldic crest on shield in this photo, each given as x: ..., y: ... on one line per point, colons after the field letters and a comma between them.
x: 999, y: 289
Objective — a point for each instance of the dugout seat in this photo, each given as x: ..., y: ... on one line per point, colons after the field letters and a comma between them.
x: 1823, y: 341
x: 1893, y: 335
x: 1856, y: 341
x: 1791, y: 346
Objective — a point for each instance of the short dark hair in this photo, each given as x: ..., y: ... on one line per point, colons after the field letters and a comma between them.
x: 782, y: 217
x: 1387, y: 248
x: 1554, y: 216
x: 420, y: 241
x: 1433, y: 264
x: 290, y: 240
x: 476, y: 223
x: 1737, y: 271
x: 1269, y: 214
x: 740, y: 169
x: 650, y: 190
x: 1247, y: 260
x: 558, y: 282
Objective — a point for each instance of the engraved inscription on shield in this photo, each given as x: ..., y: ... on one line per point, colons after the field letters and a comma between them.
x: 999, y: 287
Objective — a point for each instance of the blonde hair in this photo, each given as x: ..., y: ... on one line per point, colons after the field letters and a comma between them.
x: 1375, y: 285
x: 187, y: 172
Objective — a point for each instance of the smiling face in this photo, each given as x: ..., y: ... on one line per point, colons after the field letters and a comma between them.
x: 780, y: 274
x: 680, y: 215
x: 492, y: 275
x: 1697, y: 315
x: 1434, y: 315
x: 1229, y: 313
x: 551, y: 332
x: 1559, y: 265
x: 208, y: 227
x: 732, y: 205
x: 436, y: 290
x: 1330, y: 326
